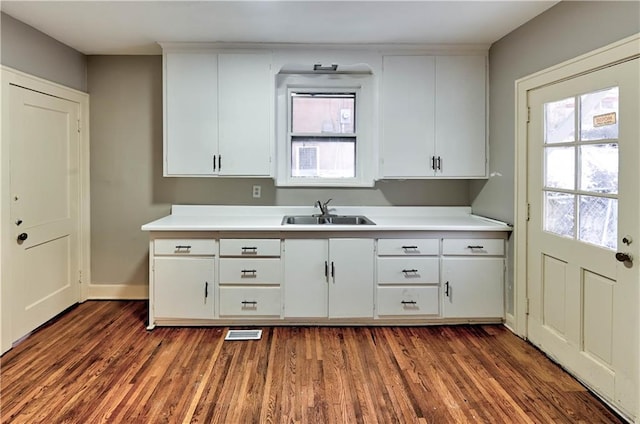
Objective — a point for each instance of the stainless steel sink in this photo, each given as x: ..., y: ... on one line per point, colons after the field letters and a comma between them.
x: 327, y: 220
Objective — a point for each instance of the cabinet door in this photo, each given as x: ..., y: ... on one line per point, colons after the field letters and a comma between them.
x: 473, y: 287
x: 245, y: 114
x: 460, y: 110
x: 190, y: 113
x: 407, y: 115
x: 305, y: 281
x: 351, y: 278
x: 183, y: 288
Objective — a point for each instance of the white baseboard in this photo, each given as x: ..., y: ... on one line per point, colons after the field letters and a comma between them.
x: 118, y: 291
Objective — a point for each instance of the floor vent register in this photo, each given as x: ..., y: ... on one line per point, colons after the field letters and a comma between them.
x: 244, y: 335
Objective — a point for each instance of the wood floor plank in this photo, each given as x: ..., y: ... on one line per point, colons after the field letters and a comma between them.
x: 98, y: 364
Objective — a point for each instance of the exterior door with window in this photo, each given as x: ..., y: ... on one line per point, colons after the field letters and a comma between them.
x: 584, y: 229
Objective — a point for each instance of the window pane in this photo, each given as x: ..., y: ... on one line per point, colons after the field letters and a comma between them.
x: 599, y: 115
x: 598, y: 221
x: 323, y: 157
x: 559, y: 212
x: 559, y: 167
x: 559, y: 121
x: 323, y: 113
x: 599, y: 168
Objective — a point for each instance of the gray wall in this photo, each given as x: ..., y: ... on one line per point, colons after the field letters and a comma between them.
x: 127, y: 187
x: 563, y: 32
x: 28, y: 50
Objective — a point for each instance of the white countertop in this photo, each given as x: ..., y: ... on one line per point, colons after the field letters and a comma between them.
x: 269, y: 218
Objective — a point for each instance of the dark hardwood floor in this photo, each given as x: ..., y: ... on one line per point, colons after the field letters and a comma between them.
x: 97, y: 363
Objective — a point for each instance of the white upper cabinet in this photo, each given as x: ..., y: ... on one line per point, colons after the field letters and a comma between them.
x: 191, y: 113
x: 218, y: 114
x: 433, y: 117
x: 407, y: 110
x: 245, y: 104
x: 461, y: 141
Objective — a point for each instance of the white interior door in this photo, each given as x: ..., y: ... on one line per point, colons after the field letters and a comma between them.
x: 584, y: 199
x: 44, y: 171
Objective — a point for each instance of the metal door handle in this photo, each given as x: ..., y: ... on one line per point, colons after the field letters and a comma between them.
x: 446, y: 289
x: 624, y: 257
x: 23, y: 236
x: 333, y: 272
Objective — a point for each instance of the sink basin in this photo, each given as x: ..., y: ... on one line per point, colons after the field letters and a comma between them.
x: 327, y: 220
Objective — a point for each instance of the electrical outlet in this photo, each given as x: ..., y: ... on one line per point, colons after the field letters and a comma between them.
x: 257, y: 191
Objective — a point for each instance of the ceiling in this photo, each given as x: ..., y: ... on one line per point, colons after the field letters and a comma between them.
x: 135, y: 27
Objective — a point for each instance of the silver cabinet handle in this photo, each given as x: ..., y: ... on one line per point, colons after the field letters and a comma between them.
x: 181, y: 247
x: 248, y: 273
x: 249, y: 250
x: 446, y: 289
x: 408, y: 302
x: 249, y: 303
x: 475, y: 247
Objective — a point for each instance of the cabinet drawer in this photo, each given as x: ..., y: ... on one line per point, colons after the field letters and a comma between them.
x: 250, y: 301
x: 184, y: 247
x: 408, y: 300
x: 249, y: 247
x: 406, y: 247
x: 473, y: 247
x: 250, y: 271
x: 393, y: 270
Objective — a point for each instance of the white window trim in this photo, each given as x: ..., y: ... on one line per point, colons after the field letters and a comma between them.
x: 366, y: 142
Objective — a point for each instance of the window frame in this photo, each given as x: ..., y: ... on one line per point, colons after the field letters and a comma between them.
x: 362, y: 86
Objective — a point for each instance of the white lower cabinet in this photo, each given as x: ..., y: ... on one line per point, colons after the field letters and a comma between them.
x: 250, y: 275
x: 408, y: 281
x: 249, y: 301
x: 195, y: 280
x: 183, y: 287
x: 408, y: 300
x: 473, y: 287
x: 331, y: 278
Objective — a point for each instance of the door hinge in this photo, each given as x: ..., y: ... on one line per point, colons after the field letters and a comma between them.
x: 79, y: 276
x: 528, y: 114
x: 528, y: 211
x: 78, y: 121
x: 526, y: 307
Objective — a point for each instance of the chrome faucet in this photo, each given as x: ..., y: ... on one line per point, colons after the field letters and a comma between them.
x: 324, y: 208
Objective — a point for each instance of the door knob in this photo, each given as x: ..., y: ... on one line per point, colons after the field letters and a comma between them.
x: 23, y: 236
x: 623, y: 257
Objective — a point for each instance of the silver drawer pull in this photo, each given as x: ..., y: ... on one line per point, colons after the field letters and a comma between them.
x: 475, y: 247
x: 181, y: 247
x: 410, y: 247
x: 249, y: 250
x: 249, y: 303
x: 410, y: 273
x: 248, y: 273
x: 408, y: 302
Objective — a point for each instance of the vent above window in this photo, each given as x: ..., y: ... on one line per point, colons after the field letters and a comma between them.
x: 325, y: 68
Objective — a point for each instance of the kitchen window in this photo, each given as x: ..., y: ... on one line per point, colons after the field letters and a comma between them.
x: 324, y: 135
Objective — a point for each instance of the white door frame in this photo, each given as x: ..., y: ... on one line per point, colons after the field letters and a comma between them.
x: 13, y: 77
x: 600, y: 58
